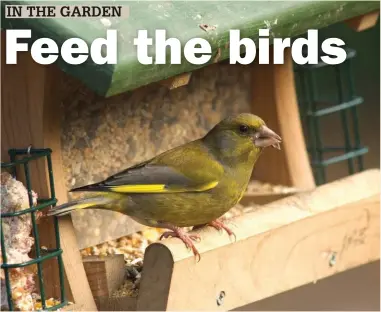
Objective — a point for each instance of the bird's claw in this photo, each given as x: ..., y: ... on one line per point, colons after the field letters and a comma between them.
x: 167, y: 234
x: 186, y: 238
x: 219, y: 225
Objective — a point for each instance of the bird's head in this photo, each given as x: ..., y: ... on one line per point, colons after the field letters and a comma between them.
x: 242, y: 133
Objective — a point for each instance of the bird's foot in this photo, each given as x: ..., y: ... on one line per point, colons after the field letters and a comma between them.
x: 185, y: 237
x: 219, y: 225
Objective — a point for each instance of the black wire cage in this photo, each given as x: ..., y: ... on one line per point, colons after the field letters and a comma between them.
x: 314, y: 107
x: 20, y: 160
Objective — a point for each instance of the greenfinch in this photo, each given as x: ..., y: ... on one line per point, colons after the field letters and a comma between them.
x: 190, y: 185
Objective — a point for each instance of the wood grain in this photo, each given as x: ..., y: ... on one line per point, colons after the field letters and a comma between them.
x: 274, y: 99
x: 363, y: 22
x: 291, y: 242
x: 30, y: 114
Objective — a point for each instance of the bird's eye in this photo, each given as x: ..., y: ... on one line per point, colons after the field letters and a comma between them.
x: 243, y: 129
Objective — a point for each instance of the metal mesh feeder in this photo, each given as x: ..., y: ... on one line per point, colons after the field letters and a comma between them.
x: 316, y: 105
x: 20, y: 161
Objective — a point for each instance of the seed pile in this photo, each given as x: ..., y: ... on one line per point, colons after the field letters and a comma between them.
x: 260, y: 188
x: 51, y: 302
x: 18, y: 243
x: 103, y: 136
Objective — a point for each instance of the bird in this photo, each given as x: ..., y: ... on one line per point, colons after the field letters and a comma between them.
x: 191, y: 185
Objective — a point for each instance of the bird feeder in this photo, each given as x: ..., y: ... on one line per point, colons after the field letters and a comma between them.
x: 41, y: 256
x: 313, y: 109
x: 312, y: 233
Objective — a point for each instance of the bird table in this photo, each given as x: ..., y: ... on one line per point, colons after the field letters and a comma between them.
x: 334, y: 222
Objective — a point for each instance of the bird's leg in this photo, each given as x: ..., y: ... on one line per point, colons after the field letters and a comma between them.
x: 185, y: 237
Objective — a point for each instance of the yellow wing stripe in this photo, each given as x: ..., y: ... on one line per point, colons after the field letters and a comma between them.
x: 142, y: 188
x: 160, y: 188
x: 206, y: 187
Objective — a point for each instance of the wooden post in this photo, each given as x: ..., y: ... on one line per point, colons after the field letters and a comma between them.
x: 30, y: 114
x: 363, y: 22
x: 285, y: 244
x: 274, y: 99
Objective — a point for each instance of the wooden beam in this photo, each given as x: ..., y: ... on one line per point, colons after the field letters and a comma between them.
x: 274, y: 99
x: 30, y: 114
x: 288, y: 243
x: 363, y: 22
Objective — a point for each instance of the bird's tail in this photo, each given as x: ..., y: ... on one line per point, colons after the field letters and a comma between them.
x: 91, y: 202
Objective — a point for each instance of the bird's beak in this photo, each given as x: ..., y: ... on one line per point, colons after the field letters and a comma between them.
x: 266, y: 137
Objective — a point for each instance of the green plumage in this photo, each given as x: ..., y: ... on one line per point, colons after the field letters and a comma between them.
x: 190, y: 185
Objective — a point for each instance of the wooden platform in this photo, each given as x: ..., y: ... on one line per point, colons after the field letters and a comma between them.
x: 291, y: 242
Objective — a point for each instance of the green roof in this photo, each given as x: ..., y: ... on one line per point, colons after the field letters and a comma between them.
x: 182, y: 20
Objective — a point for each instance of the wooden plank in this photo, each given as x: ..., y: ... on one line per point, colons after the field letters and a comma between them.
x: 274, y: 99
x: 261, y: 199
x: 182, y: 20
x: 288, y: 243
x: 116, y: 304
x: 105, y: 274
x: 357, y: 289
x: 30, y: 114
x: 363, y: 22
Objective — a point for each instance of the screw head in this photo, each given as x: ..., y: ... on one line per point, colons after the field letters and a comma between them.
x: 220, y: 298
x: 332, y: 259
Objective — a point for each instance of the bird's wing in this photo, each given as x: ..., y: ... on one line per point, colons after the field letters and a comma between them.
x: 189, y: 168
